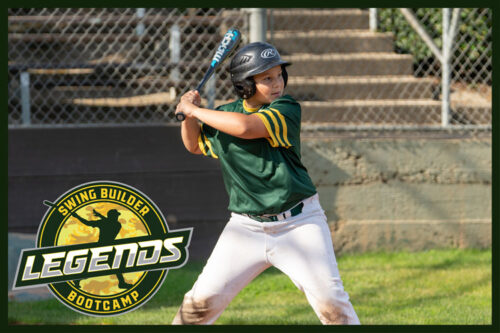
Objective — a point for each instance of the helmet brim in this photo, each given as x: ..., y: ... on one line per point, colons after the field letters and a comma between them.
x: 261, y: 69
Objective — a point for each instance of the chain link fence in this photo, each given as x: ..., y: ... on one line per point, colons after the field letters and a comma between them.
x: 350, y: 75
x: 111, y: 66
x: 128, y: 66
x: 470, y: 58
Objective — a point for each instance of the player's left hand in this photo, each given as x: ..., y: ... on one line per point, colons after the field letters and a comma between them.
x: 188, y: 103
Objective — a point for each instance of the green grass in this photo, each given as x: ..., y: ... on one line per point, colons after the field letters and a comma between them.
x: 451, y: 287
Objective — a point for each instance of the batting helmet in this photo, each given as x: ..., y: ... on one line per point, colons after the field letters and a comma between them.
x: 250, y: 60
x: 113, y: 213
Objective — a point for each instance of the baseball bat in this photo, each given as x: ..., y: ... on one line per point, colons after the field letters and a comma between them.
x: 48, y: 203
x: 228, y: 44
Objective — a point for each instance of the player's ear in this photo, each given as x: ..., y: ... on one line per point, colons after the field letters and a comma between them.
x: 246, y: 88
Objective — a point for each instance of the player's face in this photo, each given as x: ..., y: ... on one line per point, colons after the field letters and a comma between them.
x: 269, y: 86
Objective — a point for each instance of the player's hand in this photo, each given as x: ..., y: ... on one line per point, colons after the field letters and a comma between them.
x: 189, y: 102
x: 192, y: 96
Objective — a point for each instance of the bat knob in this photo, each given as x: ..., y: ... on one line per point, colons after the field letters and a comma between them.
x: 180, y: 116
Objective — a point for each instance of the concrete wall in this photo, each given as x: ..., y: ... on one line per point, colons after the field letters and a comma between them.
x: 409, y: 194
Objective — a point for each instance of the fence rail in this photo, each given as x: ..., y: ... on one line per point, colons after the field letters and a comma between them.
x: 353, y: 69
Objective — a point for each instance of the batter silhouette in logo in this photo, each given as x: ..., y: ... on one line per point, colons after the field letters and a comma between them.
x: 109, y: 227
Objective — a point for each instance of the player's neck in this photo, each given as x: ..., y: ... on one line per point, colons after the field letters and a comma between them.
x: 251, y: 105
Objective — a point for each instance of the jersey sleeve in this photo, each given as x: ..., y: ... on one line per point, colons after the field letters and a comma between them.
x: 207, y: 134
x: 282, y: 121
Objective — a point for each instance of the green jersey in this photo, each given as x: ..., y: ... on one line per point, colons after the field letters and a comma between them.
x: 261, y: 176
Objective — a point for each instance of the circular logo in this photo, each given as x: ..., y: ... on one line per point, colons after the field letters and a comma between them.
x: 268, y: 53
x: 108, y: 244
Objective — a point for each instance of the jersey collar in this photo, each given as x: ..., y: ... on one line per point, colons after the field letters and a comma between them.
x: 249, y: 109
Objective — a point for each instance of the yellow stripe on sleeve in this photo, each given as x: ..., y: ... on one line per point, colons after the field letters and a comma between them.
x: 276, y: 126
x: 202, y: 145
x: 273, y: 141
x: 285, y: 128
x: 209, y: 144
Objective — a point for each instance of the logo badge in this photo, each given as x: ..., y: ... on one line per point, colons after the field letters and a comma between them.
x: 245, y: 59
x: 268, y: 53
x: 103, y: 248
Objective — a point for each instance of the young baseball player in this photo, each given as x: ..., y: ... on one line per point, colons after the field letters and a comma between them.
x: 276, y: 218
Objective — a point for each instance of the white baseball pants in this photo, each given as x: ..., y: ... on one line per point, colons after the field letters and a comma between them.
x: 299, y: 246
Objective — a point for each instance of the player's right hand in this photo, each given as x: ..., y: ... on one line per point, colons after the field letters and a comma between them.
x: 188, y: 103
x: 192, y: 96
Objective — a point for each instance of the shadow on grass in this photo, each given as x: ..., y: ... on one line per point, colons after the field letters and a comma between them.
x: 433, y: 259
x: 376, y: 296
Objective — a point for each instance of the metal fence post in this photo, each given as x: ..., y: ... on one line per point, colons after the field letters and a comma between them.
x: 175, y: 56
x: 25, y: 98
x: 373, y: 19
x: 413, y: 21
x: 140, y: 12
x: 445, y: 75
x: 271, y: 24
x: 258, y: 25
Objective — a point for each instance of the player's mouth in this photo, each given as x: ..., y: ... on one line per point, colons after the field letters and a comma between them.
x: 276, y: 94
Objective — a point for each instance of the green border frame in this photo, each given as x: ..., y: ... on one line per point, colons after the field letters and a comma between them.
x: 495, y: 327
